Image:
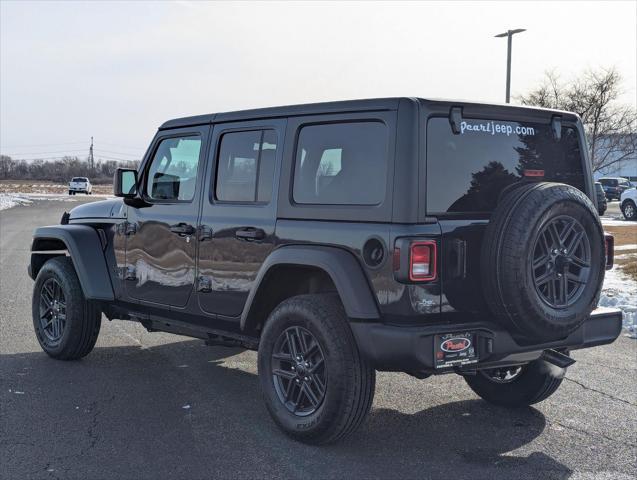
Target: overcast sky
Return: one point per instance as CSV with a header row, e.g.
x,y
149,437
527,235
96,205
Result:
x,y
116,70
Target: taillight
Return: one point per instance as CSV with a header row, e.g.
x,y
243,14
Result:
x,y
609,247
422,261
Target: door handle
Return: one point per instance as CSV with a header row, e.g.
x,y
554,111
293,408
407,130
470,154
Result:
x,y
182,229
250,233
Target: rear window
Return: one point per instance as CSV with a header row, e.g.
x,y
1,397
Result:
x,y
609,182
245,166
467,172
341,164
79,179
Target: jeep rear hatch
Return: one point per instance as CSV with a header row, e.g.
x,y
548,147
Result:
x,y
470,163
467,171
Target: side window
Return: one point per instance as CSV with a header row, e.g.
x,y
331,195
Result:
x,y
245,166
341,164
173,172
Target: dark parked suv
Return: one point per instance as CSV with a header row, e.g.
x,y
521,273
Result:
x,y
614,187
602,203
338,239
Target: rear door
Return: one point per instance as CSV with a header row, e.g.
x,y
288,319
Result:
x,y
238,213
467,174
161,244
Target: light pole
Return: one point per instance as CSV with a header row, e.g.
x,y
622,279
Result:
x,y
509,34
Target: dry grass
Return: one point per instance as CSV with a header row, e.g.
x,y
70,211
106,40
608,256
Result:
x,y
625,236
38,186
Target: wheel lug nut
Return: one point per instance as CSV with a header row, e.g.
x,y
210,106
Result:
x,y
306,378
307,364
297,380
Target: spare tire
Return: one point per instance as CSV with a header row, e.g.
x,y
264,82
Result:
x,y
542,261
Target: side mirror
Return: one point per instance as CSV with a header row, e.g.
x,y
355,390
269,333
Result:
x,y
125,183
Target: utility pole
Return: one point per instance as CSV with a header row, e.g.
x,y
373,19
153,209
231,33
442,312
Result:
x,y
509,34
91,160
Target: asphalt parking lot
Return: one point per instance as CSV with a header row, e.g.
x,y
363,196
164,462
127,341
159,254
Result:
x,y
152,405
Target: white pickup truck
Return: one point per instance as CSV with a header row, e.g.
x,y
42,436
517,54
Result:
x,y
80,185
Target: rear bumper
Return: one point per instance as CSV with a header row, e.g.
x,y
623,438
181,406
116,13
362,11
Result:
x,y
411,349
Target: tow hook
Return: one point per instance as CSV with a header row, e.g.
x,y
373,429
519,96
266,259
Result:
x,y
557,358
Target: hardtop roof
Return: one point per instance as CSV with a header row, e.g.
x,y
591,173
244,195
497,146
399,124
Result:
x,y
344,106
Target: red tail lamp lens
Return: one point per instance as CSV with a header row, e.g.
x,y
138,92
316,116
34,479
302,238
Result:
x,y
422,261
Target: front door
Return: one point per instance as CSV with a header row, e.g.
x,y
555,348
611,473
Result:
x,y
239,215
161,241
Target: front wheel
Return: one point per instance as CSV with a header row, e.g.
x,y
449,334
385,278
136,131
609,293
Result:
x,y
517,386
66,324
317,386
629,210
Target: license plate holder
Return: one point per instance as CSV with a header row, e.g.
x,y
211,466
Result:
x,y
455,349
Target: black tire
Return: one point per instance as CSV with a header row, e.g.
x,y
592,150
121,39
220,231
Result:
x,y
349,378
510,246
75,336
536,382
629,210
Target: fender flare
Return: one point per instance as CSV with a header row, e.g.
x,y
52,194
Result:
x,y
85,249
342,267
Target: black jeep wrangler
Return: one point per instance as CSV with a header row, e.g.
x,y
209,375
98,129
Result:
x,y
337,239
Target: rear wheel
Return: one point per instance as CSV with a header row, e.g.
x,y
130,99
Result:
x,y
317,386
517,386
66,324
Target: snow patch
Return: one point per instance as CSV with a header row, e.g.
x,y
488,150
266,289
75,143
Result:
x,y
8,201
619,248
620,291
611,222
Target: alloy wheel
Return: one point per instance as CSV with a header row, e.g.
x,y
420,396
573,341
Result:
x,y
52,310
561,262
298,371
502,375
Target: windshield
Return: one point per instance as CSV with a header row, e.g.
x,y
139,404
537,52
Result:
x,y
467,172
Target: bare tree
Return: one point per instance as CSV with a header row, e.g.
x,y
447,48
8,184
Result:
x,y
61,170
611,127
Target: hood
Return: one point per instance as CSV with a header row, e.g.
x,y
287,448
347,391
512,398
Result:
x,y
112,208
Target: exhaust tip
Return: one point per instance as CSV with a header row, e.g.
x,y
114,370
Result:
x,y
557,358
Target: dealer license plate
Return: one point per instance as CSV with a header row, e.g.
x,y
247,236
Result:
x,y
453,349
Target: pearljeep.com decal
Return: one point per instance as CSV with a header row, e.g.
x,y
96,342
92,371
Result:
x,y
493,128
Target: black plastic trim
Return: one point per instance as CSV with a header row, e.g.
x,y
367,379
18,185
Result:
x,y
342,267
84,247
408,349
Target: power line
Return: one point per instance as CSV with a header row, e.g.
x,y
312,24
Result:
x,y
120,146
117,153
99,157
43,153
44,145
97,150
116,158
